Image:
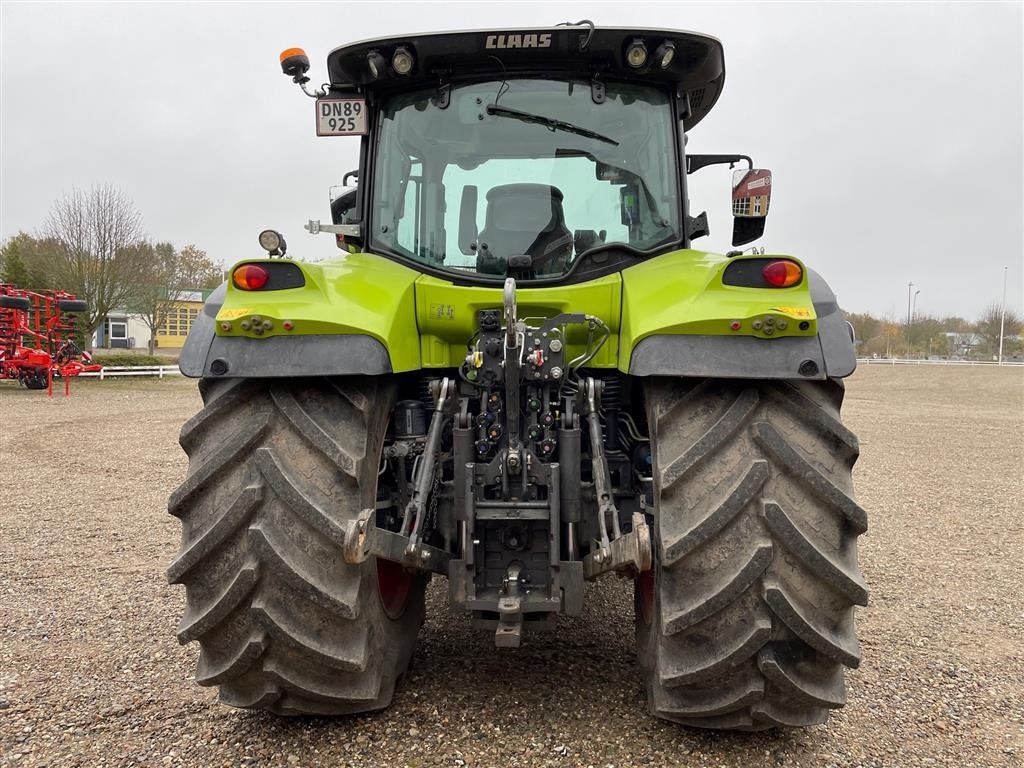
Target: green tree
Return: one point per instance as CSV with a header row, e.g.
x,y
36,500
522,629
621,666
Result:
x,y
886,343
955,324
12,266
927,336
29,262
865,326
198,272
163,276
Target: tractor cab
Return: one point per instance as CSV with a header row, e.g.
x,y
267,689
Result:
x,y
548,155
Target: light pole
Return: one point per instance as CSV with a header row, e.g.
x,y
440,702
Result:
x,y
910,326
1002,317
909,289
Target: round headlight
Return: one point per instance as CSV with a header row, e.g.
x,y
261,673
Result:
x,y
636,54
270,240
401,60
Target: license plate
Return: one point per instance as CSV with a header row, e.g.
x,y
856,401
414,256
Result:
x,y
340,117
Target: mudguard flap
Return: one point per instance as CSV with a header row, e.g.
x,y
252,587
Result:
x,y
207,355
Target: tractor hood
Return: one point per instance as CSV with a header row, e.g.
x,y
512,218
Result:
x,y
691,62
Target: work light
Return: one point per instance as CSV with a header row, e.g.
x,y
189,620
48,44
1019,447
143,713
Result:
x,y
272,242
402,61
665,53
376,63
636,54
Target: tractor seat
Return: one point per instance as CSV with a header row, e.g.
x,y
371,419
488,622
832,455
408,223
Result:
x,y
524,220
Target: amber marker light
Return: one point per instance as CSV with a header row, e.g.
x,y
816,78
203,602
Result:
x,y
782,273
294,62
250,277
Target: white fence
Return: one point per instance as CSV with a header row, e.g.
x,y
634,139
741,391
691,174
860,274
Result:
x,y
172,370
897,361
136,370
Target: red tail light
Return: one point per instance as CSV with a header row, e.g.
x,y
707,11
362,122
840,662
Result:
x,y
250,277
782,273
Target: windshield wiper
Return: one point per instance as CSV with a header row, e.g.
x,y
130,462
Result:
x,y
632,250
550,122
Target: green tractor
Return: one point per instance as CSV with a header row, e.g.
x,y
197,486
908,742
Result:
x,y
519,375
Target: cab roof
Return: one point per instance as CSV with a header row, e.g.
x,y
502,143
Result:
x,y
697,69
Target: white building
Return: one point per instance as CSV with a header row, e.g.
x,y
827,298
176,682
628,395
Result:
x,y
121,330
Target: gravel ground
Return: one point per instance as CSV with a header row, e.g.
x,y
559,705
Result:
x,y
90,673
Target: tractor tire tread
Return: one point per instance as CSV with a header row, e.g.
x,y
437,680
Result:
x,y
284,624
756,572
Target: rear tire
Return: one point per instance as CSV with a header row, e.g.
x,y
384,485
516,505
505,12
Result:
x,y
15,302
747,620
36,381
283,623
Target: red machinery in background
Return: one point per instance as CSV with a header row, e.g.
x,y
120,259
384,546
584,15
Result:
x,y
37,330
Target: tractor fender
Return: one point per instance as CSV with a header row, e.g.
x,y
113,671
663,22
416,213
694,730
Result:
x,y
207,355
830,354
834,332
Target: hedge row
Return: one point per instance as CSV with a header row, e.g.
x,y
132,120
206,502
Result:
x,y
115,359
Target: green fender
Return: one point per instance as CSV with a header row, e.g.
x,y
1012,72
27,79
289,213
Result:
x,y
669,315
355,315
680,319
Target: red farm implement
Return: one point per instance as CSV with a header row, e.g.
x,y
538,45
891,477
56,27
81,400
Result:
x,y
37,336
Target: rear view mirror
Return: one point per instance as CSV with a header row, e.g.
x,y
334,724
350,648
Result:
x,y
343,204
746,230
751,195
345,210
467,221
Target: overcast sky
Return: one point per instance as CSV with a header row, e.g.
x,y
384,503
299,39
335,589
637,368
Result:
x,y
894,132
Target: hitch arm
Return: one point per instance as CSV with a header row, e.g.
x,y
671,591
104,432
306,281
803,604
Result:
x,y
602,483
631,551
363,539
412,522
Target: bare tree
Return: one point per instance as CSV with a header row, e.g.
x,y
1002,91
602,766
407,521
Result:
x,y
988,326
97,231
163,277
